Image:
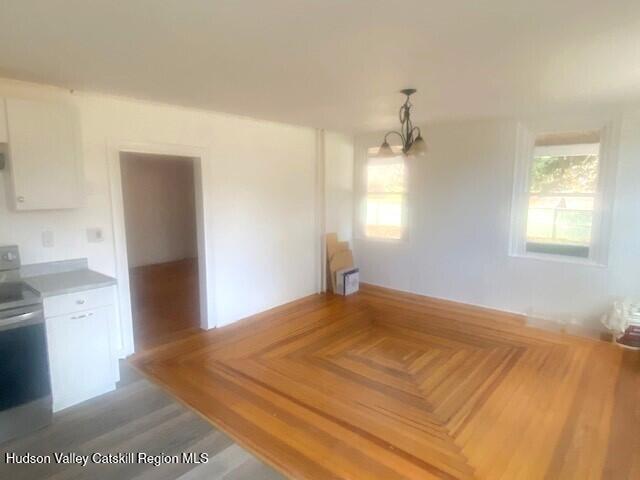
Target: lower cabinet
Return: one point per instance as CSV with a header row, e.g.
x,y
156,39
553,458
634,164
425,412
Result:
x,y
81,354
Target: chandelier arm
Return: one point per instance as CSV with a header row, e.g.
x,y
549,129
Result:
x,y
396,133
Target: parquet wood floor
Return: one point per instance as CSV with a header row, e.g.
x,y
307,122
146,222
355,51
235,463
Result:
x,y
389,385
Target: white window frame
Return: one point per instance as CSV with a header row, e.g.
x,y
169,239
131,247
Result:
x,y
362,223
604,198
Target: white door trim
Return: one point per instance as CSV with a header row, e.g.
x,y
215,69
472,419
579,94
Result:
x,y
201,159
321,212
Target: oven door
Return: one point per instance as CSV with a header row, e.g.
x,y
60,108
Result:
x,y
25,389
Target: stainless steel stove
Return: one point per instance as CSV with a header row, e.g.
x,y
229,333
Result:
x,y
25,387
15,294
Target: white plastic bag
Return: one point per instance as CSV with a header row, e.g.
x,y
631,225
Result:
x,y
623,314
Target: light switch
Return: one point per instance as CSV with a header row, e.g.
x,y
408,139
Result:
x,y
47,239
95,235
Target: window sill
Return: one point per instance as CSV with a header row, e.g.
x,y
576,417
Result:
x,y
559,259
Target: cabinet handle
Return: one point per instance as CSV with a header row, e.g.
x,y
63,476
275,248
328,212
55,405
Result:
x,y
20,199
78,317
80,302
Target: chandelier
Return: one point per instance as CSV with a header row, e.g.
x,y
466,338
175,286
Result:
x,y
412,142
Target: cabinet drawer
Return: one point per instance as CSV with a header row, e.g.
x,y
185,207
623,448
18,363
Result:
x,y
78,301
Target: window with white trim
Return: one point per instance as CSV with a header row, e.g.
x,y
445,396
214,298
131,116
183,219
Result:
x,y
385,197
559,197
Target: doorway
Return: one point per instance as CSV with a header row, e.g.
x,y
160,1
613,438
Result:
x,y
159,206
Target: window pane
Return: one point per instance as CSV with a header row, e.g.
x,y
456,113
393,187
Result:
x,y
562,220
574,227
386,185
384,216
564,174
540,224
385,177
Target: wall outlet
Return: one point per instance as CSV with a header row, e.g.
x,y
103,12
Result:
x,y
95,235
47,239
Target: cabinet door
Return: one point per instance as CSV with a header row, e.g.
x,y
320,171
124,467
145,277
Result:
x,y
80,356
3,124
43,155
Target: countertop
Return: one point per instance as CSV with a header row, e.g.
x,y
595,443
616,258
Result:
x,y
71,281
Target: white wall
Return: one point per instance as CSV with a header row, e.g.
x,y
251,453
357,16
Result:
x,y
159,207
338,172
259,198
459,220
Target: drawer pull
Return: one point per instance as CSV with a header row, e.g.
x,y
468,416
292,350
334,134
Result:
x,y
80,302
84,315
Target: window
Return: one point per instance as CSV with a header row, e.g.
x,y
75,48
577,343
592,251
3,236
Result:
x,y
561,199
563,184
385,197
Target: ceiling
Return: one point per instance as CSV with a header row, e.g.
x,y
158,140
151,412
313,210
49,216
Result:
x,y
334,64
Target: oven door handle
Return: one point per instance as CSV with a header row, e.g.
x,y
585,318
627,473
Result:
x,y
10,322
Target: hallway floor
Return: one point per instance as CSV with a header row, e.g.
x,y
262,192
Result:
x,y
164,302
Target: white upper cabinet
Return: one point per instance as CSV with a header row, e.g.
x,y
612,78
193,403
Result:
x,y
44,168
3,126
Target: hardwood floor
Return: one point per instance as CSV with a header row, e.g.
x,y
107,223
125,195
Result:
x,y
164,302
136,417
390,385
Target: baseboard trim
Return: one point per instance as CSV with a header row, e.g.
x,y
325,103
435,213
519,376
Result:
x,y
569,329
453,309
451,306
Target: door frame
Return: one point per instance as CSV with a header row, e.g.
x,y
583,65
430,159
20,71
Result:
x,y
200,158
